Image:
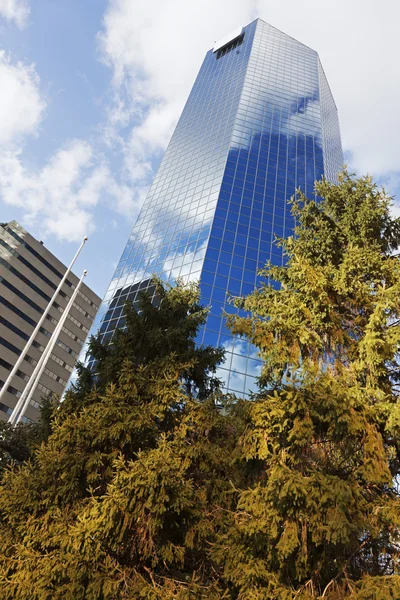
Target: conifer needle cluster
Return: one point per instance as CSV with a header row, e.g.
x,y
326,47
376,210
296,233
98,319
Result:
x,y
154,485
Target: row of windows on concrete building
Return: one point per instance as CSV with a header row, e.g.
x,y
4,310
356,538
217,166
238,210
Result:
x,y
29,275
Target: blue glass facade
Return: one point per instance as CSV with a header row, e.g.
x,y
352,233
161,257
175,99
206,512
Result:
x,y
260,122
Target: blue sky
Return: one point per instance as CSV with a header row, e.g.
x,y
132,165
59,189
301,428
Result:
x,y
90,91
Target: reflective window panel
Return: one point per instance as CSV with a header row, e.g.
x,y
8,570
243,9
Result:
x,y
259,122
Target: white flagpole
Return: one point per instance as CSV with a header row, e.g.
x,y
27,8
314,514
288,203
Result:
x,y
37,373
38,326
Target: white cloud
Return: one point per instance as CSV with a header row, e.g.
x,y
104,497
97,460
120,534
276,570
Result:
x,y
357,44
241,367
162,45
21,105
186,265
155,50
59,198
15,10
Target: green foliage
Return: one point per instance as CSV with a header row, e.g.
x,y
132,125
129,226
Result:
x,y
18,444
146,490
153,330
118,502
322,510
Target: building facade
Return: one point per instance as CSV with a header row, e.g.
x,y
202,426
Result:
x,y
260,122
29,275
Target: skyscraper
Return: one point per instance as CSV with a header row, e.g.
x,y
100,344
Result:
x,y
29,276
260,122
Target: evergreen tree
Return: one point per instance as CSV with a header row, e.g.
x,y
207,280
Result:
x,y
18,444
155,328
120,500
321,516
144,492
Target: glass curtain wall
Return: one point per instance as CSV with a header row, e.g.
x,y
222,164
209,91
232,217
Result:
x,y
260,122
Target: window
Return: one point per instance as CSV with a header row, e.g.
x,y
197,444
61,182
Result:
x,y
231,46
67,348
25,280
47,264
5,408
18,293
14,329
18,312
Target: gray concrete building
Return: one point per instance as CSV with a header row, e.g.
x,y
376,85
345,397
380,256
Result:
x,y
29,275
